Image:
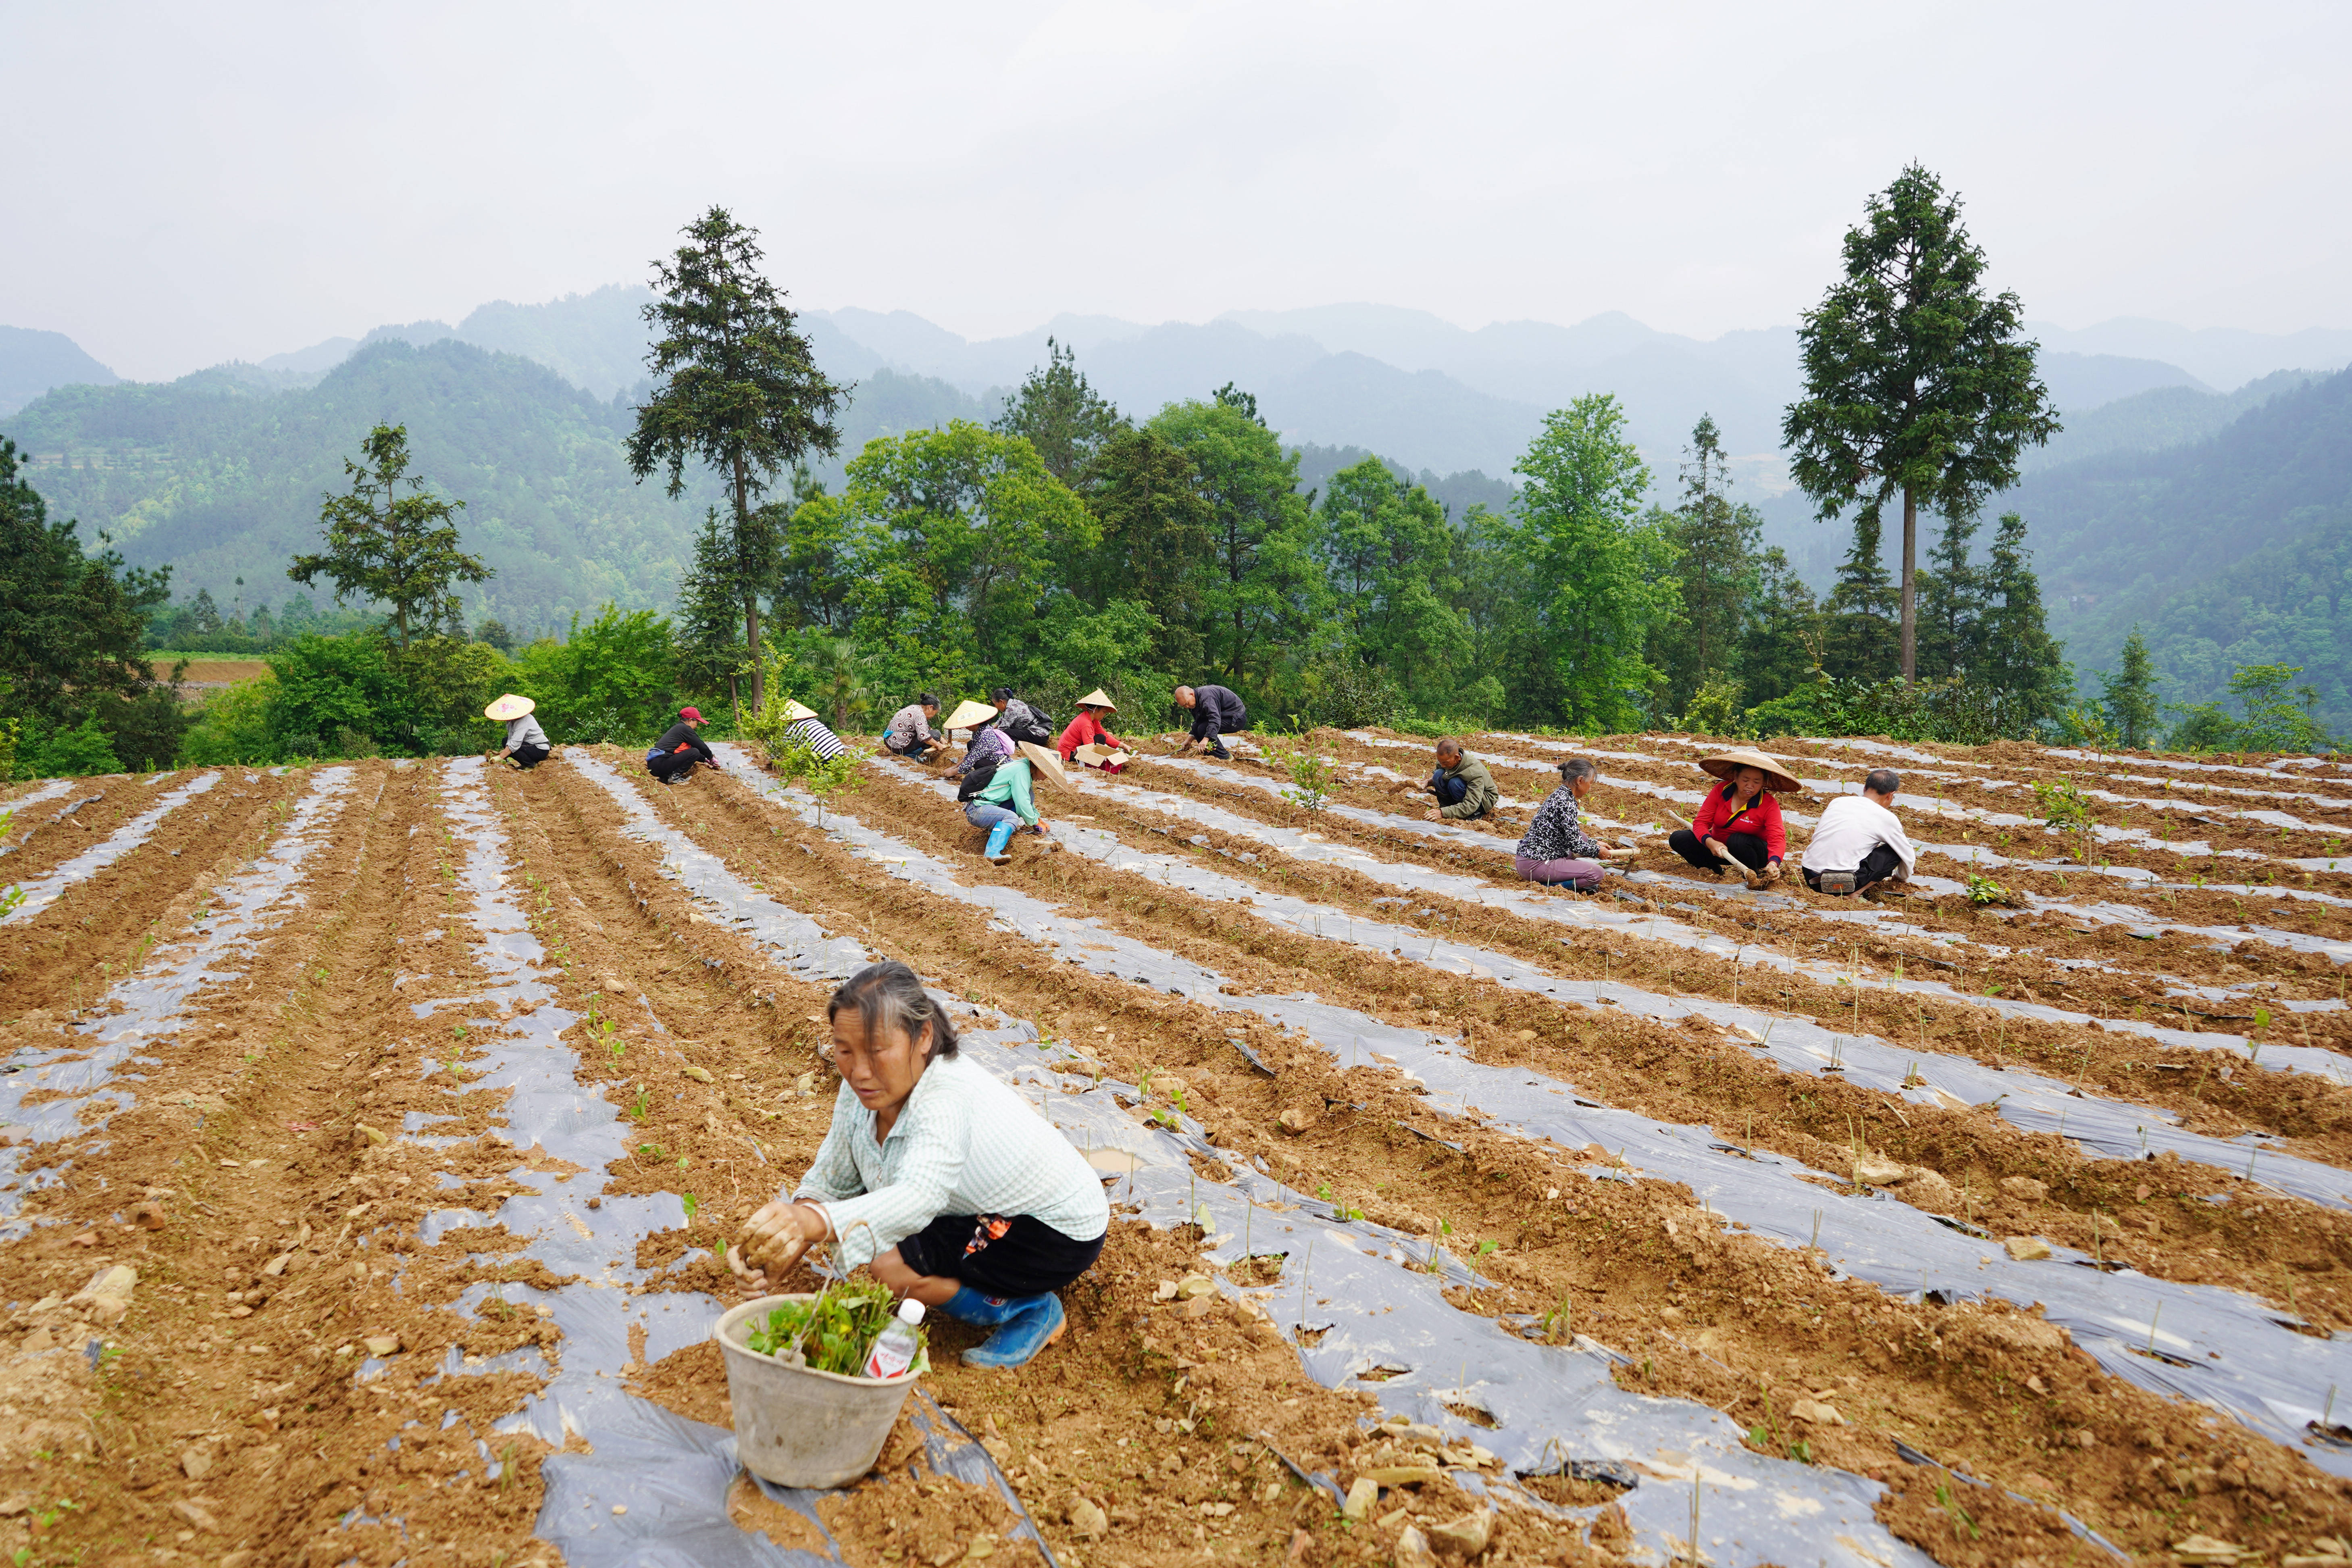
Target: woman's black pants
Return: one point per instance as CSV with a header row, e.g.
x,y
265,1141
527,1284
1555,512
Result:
x,y
1747,849
529,756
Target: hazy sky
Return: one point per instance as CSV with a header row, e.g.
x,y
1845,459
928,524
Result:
x,y
188,184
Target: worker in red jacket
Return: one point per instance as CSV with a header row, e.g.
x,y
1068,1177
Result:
x,y
1738,825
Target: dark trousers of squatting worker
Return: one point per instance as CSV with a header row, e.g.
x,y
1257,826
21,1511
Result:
x,y
1749,848
1876,867
1448,789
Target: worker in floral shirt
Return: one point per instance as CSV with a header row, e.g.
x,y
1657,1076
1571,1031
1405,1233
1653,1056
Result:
x,y
1557,851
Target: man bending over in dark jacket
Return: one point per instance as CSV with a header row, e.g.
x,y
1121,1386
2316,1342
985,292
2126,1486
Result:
x,y
1216,713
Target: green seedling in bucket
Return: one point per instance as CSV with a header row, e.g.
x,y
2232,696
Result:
x,y
832,1332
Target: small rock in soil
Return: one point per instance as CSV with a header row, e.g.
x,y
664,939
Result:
x,y
1464,1537
1412,1549
2026,1248
2026,1189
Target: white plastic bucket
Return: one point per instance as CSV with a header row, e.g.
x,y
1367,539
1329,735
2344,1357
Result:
x,y
798,1427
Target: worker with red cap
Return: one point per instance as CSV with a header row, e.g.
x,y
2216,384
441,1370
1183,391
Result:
x,y
674,756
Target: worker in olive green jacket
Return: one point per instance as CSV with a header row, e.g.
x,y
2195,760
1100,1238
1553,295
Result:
x,y
1462,784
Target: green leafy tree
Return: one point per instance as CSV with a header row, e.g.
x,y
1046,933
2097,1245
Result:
x,y
1722,572
383,545
2279,715
80,751
1860,638
1387,556
1157,544
2018,656
1597,571
1261,589
1057,412
1917,383
612,679
2127,694
492,631
813,589
739,389
203,616
73,625
953,551
333,697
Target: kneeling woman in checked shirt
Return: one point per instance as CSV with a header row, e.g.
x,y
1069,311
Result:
x,y
953,1187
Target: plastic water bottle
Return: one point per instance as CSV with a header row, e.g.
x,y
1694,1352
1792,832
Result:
x,y
895,1347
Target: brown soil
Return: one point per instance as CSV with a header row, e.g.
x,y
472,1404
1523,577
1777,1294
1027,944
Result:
x,y
250,1140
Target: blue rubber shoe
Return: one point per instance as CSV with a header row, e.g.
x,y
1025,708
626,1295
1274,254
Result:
x,y
1030,1324
998,837
969,1306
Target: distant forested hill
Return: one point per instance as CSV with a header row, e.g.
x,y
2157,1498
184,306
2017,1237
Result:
x,y
221,479
2233,550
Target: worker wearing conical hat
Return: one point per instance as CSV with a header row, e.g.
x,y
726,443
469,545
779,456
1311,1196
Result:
x,y
526,745
1738,827
1004,804
806,729
1087,732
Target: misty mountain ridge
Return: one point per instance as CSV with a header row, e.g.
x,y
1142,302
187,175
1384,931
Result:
x,y
1429,395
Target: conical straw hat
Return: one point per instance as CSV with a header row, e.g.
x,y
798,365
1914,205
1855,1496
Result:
x,y
1097,698
795,712
970,715
509,707
1045,763
1776,773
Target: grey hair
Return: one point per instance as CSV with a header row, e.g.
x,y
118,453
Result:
x,y
1882,781
890,1000
1576,768
1449,746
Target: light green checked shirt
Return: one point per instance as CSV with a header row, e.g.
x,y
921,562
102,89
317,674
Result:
x,y
965,1144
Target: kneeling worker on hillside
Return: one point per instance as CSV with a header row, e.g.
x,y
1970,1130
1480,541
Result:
x,y
1086,741
673,757
935,1172
909,733
1463,787
526,745
1859,845
1216,713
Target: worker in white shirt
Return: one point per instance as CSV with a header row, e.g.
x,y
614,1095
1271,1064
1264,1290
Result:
x,y
1859,845
954,1189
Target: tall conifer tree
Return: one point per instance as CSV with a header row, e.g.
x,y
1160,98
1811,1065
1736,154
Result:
x,y
1918,385
736,387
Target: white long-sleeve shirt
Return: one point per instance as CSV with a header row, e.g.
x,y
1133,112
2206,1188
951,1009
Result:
x,y
525,732
964,1144
1851,825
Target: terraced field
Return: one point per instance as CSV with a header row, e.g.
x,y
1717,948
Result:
x,y
371,1132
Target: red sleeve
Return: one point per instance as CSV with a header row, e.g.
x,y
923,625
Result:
x,y
1776,834
1712,813
1074,735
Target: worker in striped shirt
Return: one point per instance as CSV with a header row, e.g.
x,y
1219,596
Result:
x,y
953,1187
810,730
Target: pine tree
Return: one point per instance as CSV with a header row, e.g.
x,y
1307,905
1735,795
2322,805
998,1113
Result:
x,y
1065,419
1918,383
203,615
1860,642
739,388
709,630
2020,658
1720,567
2127,696
400,549
1951,602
